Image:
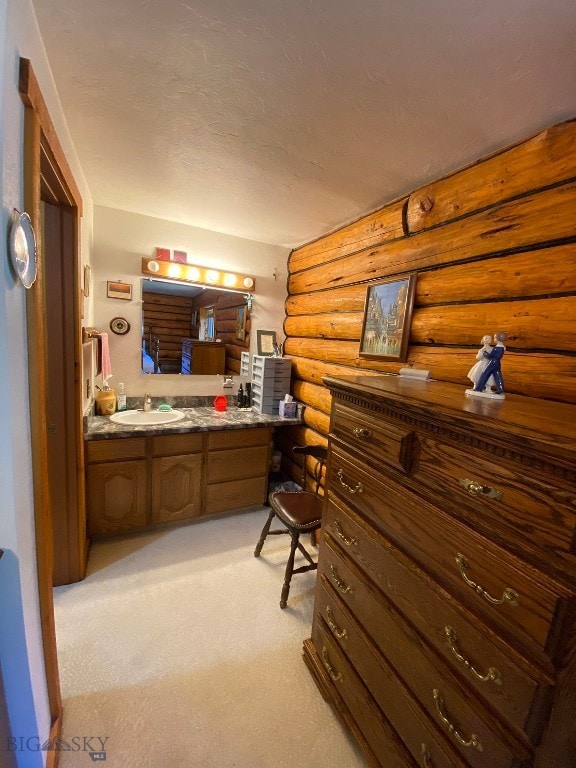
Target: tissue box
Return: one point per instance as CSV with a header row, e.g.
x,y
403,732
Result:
x,y
287,410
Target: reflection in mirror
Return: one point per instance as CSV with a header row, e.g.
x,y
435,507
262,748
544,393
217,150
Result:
x,y
189,329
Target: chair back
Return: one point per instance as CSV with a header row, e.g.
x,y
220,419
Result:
x,y
320,453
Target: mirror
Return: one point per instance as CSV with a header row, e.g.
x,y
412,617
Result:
x,y
188,329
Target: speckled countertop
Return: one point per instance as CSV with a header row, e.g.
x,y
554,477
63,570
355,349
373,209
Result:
x,y
198,419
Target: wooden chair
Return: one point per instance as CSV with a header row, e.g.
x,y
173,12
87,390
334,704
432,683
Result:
x,y
300,512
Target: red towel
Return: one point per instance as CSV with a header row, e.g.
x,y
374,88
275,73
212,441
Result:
x,y
106,365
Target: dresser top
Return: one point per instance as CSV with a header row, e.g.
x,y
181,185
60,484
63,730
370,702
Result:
x,y
548,423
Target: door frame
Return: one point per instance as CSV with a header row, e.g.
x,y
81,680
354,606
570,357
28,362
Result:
x,y
42,150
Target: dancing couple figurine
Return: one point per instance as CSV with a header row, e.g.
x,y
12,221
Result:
x,y
486,373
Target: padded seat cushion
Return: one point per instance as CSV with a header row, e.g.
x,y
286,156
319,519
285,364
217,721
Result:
x,y
298,509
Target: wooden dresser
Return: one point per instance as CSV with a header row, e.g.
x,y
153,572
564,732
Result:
x,y
444,623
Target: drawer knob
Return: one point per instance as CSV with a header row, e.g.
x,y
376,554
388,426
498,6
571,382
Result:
x,y
342,536
346,589
338,632
361,432
334,675
473,741
477,489
492,676
426,757
509,596
358,488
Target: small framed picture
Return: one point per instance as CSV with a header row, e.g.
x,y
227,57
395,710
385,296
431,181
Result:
x,y
119,290
241,322
266,341
387,318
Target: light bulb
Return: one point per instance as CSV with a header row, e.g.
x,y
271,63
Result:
x,y
229,279
212,275
174,270
193,273
153,266
248,282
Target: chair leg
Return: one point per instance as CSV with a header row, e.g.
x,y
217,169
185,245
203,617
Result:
x,y
294,535
263,535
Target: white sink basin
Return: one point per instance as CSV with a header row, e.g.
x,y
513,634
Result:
x,y
143,418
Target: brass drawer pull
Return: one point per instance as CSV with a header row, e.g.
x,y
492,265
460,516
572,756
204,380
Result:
x,y
335,676
492,676
473,741
362,432
346,589
341,634
477,489
341,535
426,757
358,488
509,596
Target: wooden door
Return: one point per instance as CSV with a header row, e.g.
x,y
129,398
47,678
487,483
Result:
x,y
176,487
116,496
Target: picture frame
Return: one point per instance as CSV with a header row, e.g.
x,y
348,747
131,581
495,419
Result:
x,y
241,322
116,289
265,343
387,318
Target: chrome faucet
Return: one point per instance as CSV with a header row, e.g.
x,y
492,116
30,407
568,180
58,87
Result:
x,y
147,402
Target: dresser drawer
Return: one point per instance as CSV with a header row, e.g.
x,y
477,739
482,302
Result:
x,y
375,729
418,733
504,590
377,440
510,500
521,690
482,738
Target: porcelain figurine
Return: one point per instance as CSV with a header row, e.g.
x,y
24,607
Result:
x,y
490,375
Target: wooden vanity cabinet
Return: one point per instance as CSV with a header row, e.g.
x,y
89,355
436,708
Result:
x,y
447,575
139,483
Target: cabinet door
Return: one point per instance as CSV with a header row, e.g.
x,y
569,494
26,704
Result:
x,y
116,497
176,488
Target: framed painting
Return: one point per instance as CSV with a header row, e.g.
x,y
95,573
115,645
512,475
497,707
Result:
x,y
119,290
387,318
241,322
266,341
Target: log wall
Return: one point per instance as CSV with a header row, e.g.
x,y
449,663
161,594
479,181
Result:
x,y
494,248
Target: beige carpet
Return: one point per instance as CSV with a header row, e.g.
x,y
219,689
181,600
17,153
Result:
x,y
174,647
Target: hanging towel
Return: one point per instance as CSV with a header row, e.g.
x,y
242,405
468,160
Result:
x,y
105,364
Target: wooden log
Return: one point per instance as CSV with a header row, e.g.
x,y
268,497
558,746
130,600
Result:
x,y
530,221
378,227
316,420
536,374
351,298
548,158
232,365
184,302
332,326
311,394
542,272
313,371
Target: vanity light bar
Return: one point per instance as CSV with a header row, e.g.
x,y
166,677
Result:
x,y
189,273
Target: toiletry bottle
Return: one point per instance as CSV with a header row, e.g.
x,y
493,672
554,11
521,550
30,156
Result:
x,y
248,395
121,398
240,402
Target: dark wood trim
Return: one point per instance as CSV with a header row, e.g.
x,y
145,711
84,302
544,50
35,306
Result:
x,y
40,140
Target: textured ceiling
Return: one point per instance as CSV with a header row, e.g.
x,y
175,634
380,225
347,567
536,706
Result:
x,y
278,120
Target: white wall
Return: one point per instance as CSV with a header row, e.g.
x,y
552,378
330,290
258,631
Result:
x,y
21,654
121,239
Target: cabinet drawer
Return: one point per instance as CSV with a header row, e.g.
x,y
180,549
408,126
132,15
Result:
x,y
379,441
121,448
487,739
511,500
238,438
174,445
522,689
237,494
375,729
525,600
406,716
237,464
